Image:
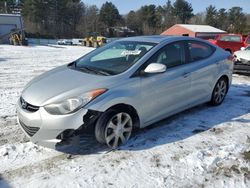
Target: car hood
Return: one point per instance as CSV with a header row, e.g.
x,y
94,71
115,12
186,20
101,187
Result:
x,y
244,54
61,83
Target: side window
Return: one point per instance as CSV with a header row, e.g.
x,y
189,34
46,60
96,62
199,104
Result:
x,y
171,55
199,50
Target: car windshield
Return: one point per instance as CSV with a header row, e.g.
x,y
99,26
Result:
x,y
113,58
231,38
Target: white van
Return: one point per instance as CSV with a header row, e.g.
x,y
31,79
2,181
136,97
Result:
x,y
77,41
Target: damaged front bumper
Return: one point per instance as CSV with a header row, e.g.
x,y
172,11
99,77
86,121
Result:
x,y
49,130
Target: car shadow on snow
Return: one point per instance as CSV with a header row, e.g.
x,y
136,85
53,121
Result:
x,y
4,59
4,183
180,126
83,144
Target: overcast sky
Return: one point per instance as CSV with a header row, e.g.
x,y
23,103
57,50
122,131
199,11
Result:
x,y
124,6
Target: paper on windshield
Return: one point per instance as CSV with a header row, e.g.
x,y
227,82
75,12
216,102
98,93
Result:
x,y
131,52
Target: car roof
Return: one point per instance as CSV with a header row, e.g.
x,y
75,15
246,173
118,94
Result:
x,y
156,38
230,34
152,38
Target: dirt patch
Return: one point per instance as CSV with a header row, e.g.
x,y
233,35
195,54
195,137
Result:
x,y
120,158
228,171
156,160
175,158
235,169
216,130
246,155
246,172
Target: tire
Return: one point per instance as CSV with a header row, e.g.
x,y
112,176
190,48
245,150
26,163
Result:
x,y
219,92
228,50
114,128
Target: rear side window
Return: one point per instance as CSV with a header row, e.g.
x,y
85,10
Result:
x,y
199,50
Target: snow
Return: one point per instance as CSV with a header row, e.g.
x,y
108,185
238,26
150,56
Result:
x,y
201,147
202,28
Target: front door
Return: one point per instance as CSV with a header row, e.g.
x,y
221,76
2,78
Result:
x,y
162,94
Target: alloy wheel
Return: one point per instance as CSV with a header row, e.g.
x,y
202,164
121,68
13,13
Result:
x,y
220,91
118,129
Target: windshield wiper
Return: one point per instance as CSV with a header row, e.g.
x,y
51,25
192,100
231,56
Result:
x,y
94,70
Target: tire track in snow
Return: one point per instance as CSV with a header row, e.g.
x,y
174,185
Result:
x,y
54,163
10,131
41,166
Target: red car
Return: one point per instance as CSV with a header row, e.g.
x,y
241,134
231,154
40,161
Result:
x,y
231,42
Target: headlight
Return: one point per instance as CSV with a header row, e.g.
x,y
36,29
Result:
x,y
73,104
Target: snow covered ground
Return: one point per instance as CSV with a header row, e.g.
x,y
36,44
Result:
x,y
202,147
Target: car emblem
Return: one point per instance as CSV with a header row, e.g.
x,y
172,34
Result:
x,y
24,104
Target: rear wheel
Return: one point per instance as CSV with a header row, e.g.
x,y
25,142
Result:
x,y
219,92
228,50
114,128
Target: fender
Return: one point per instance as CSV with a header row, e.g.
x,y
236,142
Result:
x,y
120,96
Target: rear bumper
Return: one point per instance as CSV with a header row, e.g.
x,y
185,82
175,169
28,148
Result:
x,y
43,128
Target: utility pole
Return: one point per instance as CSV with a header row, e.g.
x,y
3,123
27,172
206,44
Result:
x,y
56,20
5,5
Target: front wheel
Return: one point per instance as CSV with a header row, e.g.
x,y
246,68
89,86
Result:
x,y
219,92
114,128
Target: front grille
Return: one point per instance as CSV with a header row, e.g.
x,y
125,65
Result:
x,y
27,106
245,61
29,130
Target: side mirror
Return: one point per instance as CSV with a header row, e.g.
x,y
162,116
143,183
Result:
x,y
155,68
242,48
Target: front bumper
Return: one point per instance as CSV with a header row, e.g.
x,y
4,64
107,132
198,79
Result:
x,y
43,128
240,67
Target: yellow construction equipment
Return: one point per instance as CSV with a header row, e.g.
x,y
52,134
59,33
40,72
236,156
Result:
x,y
17,38
93,41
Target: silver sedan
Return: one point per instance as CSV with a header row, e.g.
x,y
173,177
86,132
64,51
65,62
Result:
x,y
129,83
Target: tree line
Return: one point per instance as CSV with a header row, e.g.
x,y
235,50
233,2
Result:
x,y
74,18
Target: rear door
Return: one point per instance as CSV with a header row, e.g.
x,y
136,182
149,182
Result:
x,y
163,94
204,70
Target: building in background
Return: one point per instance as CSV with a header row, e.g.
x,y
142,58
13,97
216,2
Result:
x,y
8,23
199,31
